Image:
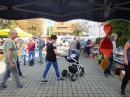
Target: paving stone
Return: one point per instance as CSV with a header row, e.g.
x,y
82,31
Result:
x,y
92,84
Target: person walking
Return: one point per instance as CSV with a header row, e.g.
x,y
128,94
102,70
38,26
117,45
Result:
x,y
51,59
73,42
88,47
18,63
126,55
23,55
10,58
41,45
112,56
31,51
83,46
78,45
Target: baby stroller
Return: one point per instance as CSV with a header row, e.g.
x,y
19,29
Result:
x,y
75,67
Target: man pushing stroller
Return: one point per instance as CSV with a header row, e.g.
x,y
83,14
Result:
x,y
72,57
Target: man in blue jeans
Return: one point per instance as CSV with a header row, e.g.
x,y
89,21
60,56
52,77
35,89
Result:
x,y
41,45
112,56
107,70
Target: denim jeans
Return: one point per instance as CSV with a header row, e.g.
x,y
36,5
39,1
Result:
x,y
7,72
87,50
107,70
23,57
18,66
55,65
31,54
40,55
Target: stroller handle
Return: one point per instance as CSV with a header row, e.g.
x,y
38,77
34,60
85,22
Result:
x,y
64,55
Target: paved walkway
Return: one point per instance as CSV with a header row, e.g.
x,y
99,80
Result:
x,y
92,84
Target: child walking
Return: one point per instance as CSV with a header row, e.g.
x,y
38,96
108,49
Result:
x,y
23,54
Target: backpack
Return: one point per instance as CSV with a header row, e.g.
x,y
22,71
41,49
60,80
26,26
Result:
x,y
31,62
42,43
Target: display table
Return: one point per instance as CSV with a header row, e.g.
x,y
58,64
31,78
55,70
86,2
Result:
x,y
119,57
120,53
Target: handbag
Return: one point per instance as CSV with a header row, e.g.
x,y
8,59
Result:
x,y
99,57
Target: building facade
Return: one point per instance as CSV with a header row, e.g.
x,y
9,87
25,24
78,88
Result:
x,y
63,28
97,29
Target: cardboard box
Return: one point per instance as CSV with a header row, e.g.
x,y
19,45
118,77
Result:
x,y
118,68
122,73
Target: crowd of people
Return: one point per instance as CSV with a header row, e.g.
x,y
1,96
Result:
x,y
85,47
12,47
13,61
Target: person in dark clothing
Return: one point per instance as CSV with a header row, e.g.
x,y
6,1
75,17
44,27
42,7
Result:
x,y
126,54
18,64
107,71
78,44
88,47
51,59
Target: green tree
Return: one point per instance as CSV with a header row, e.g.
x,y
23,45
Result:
x,y
121,27
79,27
6,24
98,40
32,26
49,30
1,23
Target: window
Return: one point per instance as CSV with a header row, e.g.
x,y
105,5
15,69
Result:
x,y
62,28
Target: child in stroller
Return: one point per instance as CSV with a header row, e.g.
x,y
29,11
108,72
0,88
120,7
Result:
x,y
75,67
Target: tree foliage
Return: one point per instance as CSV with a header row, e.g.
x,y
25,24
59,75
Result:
x,y
98,40
32,26
122,28
49,30
122,40
79,27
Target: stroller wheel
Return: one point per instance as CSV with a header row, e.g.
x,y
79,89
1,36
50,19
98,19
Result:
x,y
82,72
64,73
73,77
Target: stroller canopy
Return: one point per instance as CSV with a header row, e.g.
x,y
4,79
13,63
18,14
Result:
x,y
64,10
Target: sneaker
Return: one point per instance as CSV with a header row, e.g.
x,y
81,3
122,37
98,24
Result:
x,y
2,87
23,75
61,79
45,81
40,62
111,74
9,79
122,92
106,75
21,86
